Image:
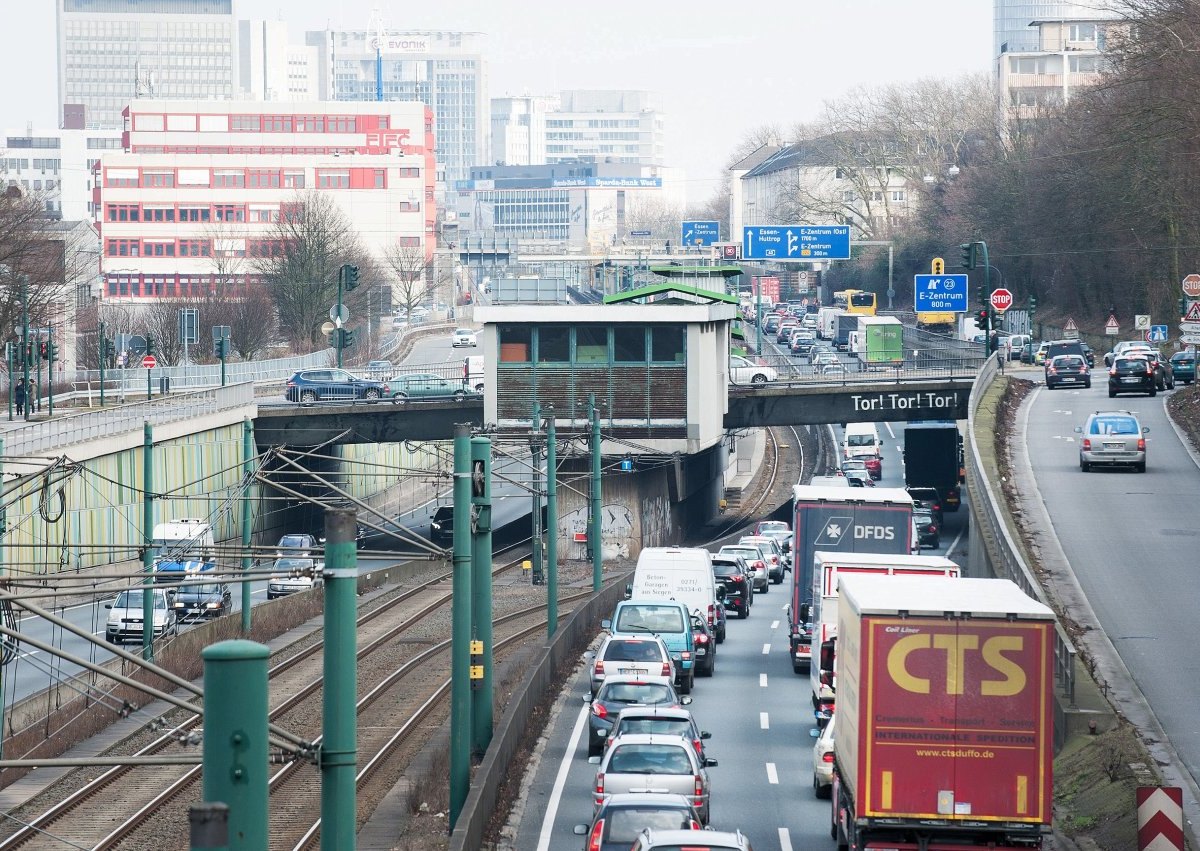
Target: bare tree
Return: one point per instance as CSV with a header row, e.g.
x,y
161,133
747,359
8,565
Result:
x,y
31,252
408,266
655,215
252,323
161,321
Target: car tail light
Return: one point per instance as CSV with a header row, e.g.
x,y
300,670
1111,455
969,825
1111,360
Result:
x,y
685,655
597,833
599,710
291,384
1113,371
697,744
599,784
1083,370
933,527
1141,444
694,825
1051,371
827,756
666,669
701,638
712,613
1087,445
599,668
699,789
758,565
1149,369
937,506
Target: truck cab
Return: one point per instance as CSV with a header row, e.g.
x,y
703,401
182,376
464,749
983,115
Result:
x,y
183,548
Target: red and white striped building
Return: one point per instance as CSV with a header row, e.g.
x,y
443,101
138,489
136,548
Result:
x,y
201,185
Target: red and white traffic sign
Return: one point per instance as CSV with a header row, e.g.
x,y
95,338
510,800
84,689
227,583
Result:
x,y
1193,312
1001,299
149,362
1191,286
1160,818
1070,326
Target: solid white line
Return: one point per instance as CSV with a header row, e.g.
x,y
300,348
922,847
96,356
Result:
x,y
772,774
766,649
764,721
762,680
954,543
560,781
774,624
888,426
785,840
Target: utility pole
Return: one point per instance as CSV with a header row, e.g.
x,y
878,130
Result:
x,y
25,341
50,358
535,490
987,290
102,344
481,592
460,647
147,540
551,525
248,475
339,719
594,531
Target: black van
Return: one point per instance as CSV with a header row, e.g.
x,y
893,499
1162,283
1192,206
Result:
x,y
441,525
1054,348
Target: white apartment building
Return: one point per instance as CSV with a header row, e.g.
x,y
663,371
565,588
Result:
x,y
1012,30
519,129
57,165
447,71
196,195
270,67
607,127
112,51
1068,55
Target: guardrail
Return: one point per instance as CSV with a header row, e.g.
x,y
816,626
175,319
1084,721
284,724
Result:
x,y
924,366
1008,556
53,434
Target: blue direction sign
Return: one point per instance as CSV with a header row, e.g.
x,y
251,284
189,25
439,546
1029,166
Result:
x,y
700,233
941,292
796,242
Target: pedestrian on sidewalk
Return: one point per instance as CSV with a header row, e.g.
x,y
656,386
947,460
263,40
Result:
x,y
19,396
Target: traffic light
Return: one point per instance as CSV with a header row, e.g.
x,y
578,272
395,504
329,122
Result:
x,y
44,350
1033,304
347,338
968,255
223,348
349,276
53,352
938,266
334,338
149,345
981,319
106,348
30,354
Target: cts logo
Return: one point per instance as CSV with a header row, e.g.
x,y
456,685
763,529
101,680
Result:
x,y
1011,679
835,529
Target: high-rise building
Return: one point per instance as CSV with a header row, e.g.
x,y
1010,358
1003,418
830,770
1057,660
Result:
x,y
606,126
57,165
1070,55
1012,32
112,51
446,71
270,67
519,129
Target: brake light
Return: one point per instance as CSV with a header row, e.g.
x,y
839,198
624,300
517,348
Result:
x,y
597,833
758,565
827,756
937,506
694,825
701,638
599,784
1087,444
932,527
599,710
1051,370
599,668
666,669
1141,444
697,744
712,613
699,789
1149,369
685,655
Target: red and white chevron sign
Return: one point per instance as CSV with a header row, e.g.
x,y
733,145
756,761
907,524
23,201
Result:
x,y
1160,818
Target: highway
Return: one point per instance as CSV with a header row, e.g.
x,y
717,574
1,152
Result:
x,y
757,709
1128,537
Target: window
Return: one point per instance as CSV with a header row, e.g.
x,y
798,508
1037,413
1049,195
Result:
x,y
194,214
310,124
409,241
515,343
1084,64
227,179
252,123
195,248
666,344
380,178
264,179
410,172
277,123
158,214
229,213
293,179
159,249
553,344
112,181
410,206
1027,64
123,213
629,344
124,248
591,344
1082,32
264,214
897,194
158,179
333,179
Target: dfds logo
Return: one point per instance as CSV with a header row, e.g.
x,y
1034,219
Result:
x,y
874,533
1010,680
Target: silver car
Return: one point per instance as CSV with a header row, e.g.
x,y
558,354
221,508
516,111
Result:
x,y
653,763
293,575
756,560
1115,438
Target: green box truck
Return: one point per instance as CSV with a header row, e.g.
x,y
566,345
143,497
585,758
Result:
x,y
881,341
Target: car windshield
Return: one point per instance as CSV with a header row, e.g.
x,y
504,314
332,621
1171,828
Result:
x,y
1066,362
1132,365
293,563
772,526
725,569
860,440
1114,425
635,693
650,618
649,759
744,552
294,541
133,600
625,824
201,590
1183,357
669,726
632,651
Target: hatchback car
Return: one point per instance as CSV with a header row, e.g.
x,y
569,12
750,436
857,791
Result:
x,y
928,532
668,763
1126,346
621,818
927,498
704,638
1183,367
619,692
755,560
1039,354
660,720
463,338
332,385
743,371
1132,375
1164,376
1114,438
1067,369
125,616
426,386
733,574
292,575
199,602
823,760
296,544
769,546
630,656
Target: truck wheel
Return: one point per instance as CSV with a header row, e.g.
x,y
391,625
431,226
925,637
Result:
x,y
822,791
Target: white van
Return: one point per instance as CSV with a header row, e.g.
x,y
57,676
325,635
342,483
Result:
x,y
678,573
861,441
473,372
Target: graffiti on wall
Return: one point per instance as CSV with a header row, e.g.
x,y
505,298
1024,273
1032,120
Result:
x,y
656,521
616,531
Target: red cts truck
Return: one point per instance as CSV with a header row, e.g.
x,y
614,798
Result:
x,y
944,715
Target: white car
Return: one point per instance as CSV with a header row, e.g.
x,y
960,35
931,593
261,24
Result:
x,y
823,761
463,337
292,575
743,371
125,616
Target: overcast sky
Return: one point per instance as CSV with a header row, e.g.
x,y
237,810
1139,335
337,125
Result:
x,y
722,67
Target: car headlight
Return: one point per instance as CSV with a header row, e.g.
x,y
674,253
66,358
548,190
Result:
x,y
212,605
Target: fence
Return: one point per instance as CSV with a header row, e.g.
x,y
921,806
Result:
x,y
1006,557
52,435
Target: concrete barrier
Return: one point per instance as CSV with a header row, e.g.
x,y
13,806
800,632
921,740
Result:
x,y
541,680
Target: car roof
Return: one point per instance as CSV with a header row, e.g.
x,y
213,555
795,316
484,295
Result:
x,y
631,799
691,839
657,711
654,739
637,679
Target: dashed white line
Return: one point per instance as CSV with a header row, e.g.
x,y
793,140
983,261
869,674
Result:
x,y
785,840
772,774
762,680
774,624
766,649
764,721
560,781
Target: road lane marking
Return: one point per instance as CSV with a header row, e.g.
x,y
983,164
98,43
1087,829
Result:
x,y
766,649
785,840
891,433
560,781
762,680
764,721
774,624
954,543
772,774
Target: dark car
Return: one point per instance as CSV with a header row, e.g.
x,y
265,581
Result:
x,y
928,532
197,602
1067,369
927,498
1183,367
802,344
1054,348
1163,374
1132,375
426,386
1088,354
705,641
732,573
619,692
441,525
332,385
1027,353
622,818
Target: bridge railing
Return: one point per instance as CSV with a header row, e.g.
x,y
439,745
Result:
x,y
914,367
1009,563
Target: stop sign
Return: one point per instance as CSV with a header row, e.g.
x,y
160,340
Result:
x,y
1001,299
1191,286
149,362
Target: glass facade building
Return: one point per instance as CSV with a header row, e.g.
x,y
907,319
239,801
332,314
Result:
x,y
1011,30
111,51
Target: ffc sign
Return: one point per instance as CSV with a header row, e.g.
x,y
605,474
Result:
x,y
1011,678
387,138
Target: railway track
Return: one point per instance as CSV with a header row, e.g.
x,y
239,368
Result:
x,y
111,808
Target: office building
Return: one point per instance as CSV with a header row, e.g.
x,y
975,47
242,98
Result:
x,y
270,67
113,51
519,129
445,70
198,192
56,164
606,127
